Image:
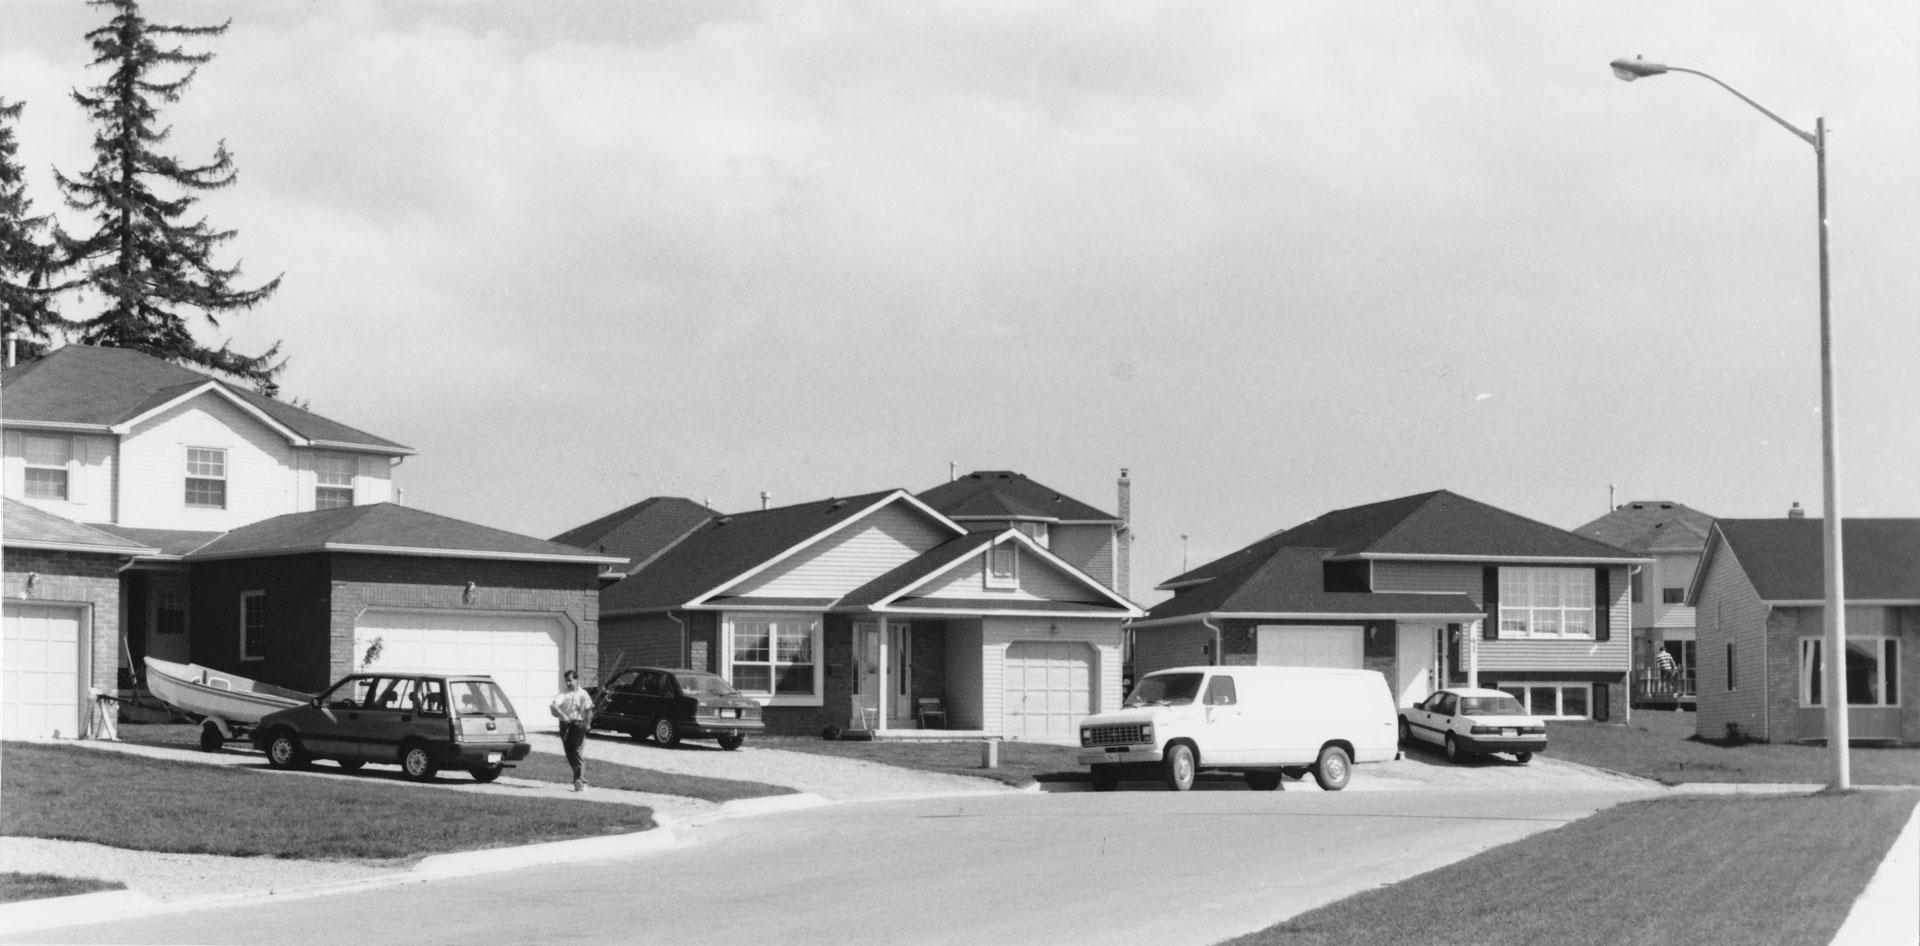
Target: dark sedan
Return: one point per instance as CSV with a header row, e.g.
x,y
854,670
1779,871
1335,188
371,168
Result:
x,y
671,705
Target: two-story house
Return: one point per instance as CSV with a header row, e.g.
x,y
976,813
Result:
x,y
861,612
1429,590
254,537
1673,537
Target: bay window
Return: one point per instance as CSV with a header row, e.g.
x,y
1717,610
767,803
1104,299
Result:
x,y
775,657
1547,602
1872,669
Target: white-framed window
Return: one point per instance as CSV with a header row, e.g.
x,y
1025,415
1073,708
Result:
x,y
1554,700
332,481
1039,532
775,657
49,458
1673,596
1546,602
207,477
1873,671
1002,568
253,625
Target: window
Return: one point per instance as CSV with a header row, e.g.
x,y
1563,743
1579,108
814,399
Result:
x,y
168,598
774,657
1873,675
47,459
332,481
1673,596
1037,531
253,625
1731,679
206,477
1562,700
1220,692
1003,565
1546,602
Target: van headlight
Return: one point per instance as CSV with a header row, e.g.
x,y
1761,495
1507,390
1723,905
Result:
x,y
1086,736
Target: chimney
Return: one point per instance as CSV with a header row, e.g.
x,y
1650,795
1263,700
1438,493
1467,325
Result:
x,y
953,470
1123,539
1796,512
764,497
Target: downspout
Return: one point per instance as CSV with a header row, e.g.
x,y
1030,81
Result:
x,y
686,646
1633,570
1217,661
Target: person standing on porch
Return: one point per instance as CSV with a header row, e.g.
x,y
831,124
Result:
x,y
1664,660
574,709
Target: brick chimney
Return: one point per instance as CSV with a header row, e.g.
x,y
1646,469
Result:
x,y
1796,512
1123,539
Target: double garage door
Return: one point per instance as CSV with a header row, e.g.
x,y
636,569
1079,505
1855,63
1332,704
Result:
x,y
1049,689
524,653
40,682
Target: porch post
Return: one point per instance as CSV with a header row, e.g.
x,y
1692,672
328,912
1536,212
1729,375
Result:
x,y
1473,653
880,686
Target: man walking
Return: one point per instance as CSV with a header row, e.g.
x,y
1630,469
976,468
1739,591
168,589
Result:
x,y
574,708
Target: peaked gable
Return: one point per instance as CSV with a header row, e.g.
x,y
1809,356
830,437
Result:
x,y
952,576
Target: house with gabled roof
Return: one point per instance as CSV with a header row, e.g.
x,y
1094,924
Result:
x,y
1430,590
857,612
1093,540
265,542
1760,597
1673,536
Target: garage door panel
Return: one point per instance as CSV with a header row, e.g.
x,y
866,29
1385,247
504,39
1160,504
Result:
x,y
40,682
1047,688
522,653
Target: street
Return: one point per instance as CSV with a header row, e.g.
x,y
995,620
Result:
x,y
1133,866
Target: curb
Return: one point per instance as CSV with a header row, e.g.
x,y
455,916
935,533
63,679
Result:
x,y
24,916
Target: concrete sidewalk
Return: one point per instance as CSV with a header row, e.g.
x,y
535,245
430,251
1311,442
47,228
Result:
x,y
1888,911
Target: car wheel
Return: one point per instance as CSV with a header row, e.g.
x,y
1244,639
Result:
x,y
284,752
418,763
1406,733
665,732
1524,757
352,764
731,741
210,738
1104,778
1179,767
1453,749
486,773
1263,780
1334,769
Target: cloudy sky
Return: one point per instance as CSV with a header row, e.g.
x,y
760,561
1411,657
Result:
x,y
1274,258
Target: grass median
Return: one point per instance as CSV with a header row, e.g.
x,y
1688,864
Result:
x,y
1662,746
1695,869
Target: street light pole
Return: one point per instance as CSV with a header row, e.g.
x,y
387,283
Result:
x,y
1834,660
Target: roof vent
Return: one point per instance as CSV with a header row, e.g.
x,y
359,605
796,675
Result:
x,y
723,520
1796,512
836,504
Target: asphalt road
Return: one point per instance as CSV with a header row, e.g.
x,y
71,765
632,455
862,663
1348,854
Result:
x,y
1133,866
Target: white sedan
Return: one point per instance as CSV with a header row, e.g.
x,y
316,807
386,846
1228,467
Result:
x,y
1464,720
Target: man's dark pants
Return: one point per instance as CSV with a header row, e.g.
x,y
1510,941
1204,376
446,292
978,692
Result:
x,y
572,737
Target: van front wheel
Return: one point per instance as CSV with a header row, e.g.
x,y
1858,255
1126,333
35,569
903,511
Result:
x,y
1334,769
1179,767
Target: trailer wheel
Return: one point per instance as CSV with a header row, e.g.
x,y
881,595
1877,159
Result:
x,y
211,739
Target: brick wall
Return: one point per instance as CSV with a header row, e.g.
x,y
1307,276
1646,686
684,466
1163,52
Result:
x,y
75,578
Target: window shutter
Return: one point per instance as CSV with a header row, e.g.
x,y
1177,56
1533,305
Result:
x,y
1603,606
1490,600
1601,711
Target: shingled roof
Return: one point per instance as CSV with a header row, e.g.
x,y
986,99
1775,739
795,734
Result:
x,y
641,531
387,529
85,386
1004,494
1786,560
1650,525
28,527
1290,583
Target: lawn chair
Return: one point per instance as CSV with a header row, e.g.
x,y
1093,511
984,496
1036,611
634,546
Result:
x,y
930,711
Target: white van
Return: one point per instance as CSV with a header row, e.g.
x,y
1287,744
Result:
x,y
1264,721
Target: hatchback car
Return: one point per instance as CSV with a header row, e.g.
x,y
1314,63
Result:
x,y
1465,721
671,705
419,722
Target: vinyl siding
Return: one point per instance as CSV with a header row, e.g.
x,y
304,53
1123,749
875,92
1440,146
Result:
x,y
861,551
1088,548
89,477
260,475
1448,577
997,633
1509,656
1038,582
1730,610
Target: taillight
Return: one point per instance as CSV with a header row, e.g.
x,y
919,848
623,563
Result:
x,y
453,726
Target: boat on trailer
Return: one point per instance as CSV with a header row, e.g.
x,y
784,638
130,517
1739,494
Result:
x,y
227,705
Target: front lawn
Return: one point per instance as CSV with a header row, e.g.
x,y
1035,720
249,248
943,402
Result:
x,y
16,886
1021,763
1695,869
1659,745
540,766
75,793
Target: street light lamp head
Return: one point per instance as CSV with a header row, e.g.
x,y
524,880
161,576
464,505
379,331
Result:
x,y
1627,70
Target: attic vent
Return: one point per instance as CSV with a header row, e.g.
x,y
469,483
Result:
x,y
723,520
836,504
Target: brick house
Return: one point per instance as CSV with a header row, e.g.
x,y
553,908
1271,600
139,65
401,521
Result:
x,y
1430,590
1760,600
265,541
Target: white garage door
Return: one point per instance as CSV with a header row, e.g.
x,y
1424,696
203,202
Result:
x,y
1306,646
522,652
1049,689
40,683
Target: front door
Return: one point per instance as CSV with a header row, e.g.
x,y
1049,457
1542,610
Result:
x,y
898,656
1422,650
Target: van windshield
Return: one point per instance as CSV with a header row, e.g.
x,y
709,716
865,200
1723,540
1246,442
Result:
x,y
1165,689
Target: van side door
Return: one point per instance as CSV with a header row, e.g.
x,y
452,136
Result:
x,y
1231,734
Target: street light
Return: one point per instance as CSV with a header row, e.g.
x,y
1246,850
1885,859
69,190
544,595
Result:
x,y
1835,604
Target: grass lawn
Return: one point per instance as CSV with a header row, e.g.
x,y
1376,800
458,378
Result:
x,y
1021,763
16,886
1659,745
1695,869
80,794
540,766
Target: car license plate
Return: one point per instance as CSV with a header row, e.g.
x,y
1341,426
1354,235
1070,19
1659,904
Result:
x,y
1509,732
495,758
730,713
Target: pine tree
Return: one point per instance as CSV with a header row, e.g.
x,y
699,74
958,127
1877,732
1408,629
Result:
x,y
143,258
27,265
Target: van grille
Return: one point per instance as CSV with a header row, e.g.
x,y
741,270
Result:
x,y
1125,734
